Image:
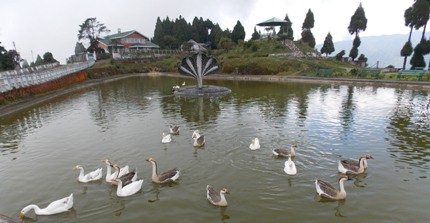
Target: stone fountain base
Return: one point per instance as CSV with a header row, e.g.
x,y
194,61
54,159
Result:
x,y
206,90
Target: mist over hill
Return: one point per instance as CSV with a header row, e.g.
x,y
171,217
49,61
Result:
x,y
385,49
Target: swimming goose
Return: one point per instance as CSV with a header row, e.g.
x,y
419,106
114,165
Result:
x,y
326,190
349,167
215,198
166,138
130,189
126,178
199,140
111,176
55,207
285,152
290,167
255,144
174,130
357,163
91,176
168,176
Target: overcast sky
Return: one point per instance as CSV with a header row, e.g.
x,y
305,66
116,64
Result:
x,y
43,25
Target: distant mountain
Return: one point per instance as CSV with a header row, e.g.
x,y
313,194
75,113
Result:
x,y
385,49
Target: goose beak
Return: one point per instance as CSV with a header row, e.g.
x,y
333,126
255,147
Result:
x,y
21,215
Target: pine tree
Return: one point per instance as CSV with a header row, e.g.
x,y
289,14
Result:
x,y
328,46
39,60
238,32
158,33
287,29
358,23
255,34
340,55
308,24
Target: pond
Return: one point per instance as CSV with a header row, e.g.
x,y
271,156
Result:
x,y
124,120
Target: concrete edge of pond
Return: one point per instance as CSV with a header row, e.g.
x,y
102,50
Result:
x,y
9,109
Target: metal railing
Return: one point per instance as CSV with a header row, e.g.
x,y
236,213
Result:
x,y
34,76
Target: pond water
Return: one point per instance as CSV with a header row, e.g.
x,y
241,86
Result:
x,y
123,121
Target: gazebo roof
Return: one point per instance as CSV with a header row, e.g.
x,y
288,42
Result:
x,y
273,22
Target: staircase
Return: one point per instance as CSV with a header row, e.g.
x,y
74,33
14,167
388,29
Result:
x,y
294,49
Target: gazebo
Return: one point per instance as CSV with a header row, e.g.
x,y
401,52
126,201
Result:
x,y
270,24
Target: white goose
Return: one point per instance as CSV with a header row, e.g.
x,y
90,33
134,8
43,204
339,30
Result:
x,y
326,190
166,177
290,167
55,207
91,176
215,198
166,138
111,176
129,189
183,84
199,140
255,144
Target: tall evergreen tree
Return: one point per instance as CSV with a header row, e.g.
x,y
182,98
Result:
x,y
255,34
407,49
328,46
158,33
309,20
39,60
357,24
238,32
307,25
287,29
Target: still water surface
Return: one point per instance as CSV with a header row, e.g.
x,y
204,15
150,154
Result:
x,y
123,121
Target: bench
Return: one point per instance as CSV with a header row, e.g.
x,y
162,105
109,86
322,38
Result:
x,y
418,72
324,72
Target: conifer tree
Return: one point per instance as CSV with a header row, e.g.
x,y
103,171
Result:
x,y
357,24
238,32
328,46
255,34
307,25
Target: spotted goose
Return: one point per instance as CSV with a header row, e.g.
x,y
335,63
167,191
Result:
x,y
199,140
126,178
326,190
285,152
168,176
215,198
174,130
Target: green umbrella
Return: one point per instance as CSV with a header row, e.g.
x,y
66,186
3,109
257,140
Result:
x,y
273,22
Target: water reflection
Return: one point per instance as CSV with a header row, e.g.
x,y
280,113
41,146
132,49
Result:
x,y
410,131
347,110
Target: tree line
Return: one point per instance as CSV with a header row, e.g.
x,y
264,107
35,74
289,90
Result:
x,y
11,59
171,34
416,16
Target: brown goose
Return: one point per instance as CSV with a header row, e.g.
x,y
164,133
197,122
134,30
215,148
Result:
x,y
285,152
168,176
357,163
174,130
348,167
215,198
326,190
126,178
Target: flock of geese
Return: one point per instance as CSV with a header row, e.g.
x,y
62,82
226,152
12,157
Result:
x,y
128,183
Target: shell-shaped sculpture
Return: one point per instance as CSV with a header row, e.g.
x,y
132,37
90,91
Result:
x,y
197,66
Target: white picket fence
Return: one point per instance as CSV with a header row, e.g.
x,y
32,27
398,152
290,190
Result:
x,y
38,75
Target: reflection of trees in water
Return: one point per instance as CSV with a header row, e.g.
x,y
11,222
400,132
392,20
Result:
x,y
120,98
14,128
410,129
272,98
348,108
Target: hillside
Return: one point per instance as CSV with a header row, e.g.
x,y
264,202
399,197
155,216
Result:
x,y
385,49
